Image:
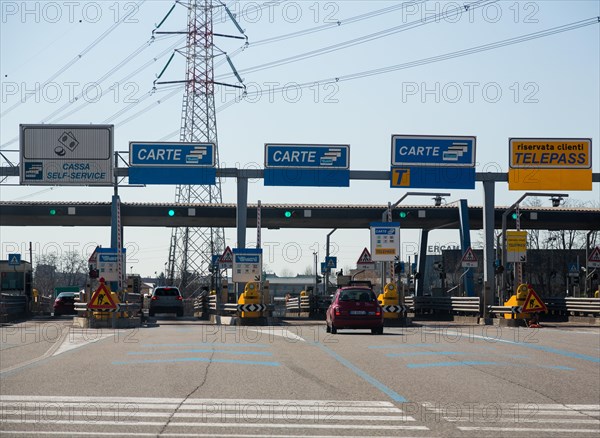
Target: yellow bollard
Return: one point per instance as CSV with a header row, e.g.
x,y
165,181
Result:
x,y
251,295
389,297
517,300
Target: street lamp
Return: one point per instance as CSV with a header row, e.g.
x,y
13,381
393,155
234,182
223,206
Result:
x,y
437,197
556,198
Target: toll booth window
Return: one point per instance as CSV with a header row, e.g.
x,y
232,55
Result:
x,y
12,281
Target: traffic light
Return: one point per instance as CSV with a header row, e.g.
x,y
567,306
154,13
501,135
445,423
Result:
x,y
52,212
288,214
171,212
399,267
514,215
56,211
403,214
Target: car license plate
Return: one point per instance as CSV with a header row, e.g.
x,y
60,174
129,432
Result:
x,y
358,312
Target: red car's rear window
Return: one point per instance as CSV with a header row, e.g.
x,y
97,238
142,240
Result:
x,y
356,295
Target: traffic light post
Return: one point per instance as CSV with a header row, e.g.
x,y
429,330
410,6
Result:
x,y
556,200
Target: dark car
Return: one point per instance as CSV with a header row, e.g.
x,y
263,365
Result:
x,y
165,299
64,304
355,307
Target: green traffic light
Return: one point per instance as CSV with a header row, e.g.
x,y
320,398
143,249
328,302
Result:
x,y
514,216
171,213
403,214
52,212
288,214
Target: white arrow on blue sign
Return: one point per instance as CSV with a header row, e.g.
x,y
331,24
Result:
x,y
306,156
14,259
421,150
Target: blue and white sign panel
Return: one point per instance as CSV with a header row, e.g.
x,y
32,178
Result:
x,y
14,259
385,241
171,154
172,163
411,150
67,155
107,263
305,156
247,265
303,165
331,262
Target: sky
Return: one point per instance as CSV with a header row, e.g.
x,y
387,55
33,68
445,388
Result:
x,y
88,62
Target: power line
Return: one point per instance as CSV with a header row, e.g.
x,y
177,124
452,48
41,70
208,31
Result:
x,y
73,61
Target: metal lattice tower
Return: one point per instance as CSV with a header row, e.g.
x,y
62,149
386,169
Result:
x,y
190,253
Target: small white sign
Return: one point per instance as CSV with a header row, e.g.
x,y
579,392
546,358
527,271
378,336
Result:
x,y
247,265
385,241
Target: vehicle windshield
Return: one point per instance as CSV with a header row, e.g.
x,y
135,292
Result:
x,y
357,295
168,292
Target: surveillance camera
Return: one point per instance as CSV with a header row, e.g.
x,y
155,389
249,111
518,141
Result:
x,y
556,201
438,201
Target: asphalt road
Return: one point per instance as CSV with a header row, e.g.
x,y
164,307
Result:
x,y
182,377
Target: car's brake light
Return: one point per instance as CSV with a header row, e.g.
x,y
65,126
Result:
x,y
154,298
179,297
378,311
337,311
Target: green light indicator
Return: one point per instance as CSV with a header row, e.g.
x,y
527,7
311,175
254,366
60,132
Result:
x,y
514,216
288,214
171,213
52,212
403,214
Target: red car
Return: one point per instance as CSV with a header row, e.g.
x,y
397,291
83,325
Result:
x,y
65,304
355,307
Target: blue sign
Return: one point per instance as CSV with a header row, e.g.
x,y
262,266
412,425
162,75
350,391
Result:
x,y
324,268
247,255
172,154
307,177
307,156
14,259
411,150
172,175
331,262
215,260
439,177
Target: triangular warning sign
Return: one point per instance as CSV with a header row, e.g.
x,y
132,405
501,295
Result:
x,y
594,255
227,256
365,257
469,256
102,299
533,303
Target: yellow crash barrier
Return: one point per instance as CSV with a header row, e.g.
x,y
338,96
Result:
x,y
389,297
251,295
517,300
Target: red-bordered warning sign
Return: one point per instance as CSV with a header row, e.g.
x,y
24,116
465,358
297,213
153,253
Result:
x,y
102,299
469,259
533,303
594,258
365,257
227,256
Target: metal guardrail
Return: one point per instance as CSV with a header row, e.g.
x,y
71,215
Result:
x,y
452,305
298,304
12,305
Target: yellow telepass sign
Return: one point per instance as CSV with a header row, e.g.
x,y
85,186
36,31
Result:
x,y
550,164
557,153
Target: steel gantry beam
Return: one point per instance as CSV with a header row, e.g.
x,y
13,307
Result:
x,y
20,213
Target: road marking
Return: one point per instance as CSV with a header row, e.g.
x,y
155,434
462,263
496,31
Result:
x,y
279,331
399,346
204,344
76,339
477,363
525,429
195,359
253,418
368,378
527,345
249,353
429,353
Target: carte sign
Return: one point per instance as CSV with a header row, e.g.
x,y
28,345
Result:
x,y
171,154
410,150
550,164
385,241
307,156
247,265
64,155
434,162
